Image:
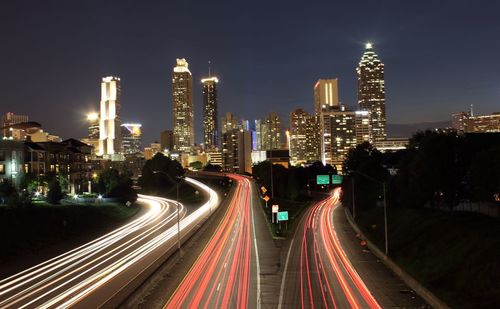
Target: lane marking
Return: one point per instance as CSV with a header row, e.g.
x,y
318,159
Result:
x,y
255,244
282,288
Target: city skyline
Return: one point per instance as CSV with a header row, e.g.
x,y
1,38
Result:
x,y
143,64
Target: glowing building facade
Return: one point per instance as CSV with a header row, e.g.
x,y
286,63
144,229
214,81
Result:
x,y
182,102
268,132
131,138
9,119
210,123
371,91
304,139
110,141
363,127
326,94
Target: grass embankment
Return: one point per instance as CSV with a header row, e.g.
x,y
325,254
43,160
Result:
x,y
294,209
455,255
41,231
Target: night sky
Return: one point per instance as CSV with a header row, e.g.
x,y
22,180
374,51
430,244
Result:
x,y
439,57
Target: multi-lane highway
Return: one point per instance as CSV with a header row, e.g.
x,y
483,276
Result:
x,y
318,272
226,274
90,275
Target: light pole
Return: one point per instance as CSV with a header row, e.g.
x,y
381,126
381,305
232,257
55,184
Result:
x,y
177,181
385,205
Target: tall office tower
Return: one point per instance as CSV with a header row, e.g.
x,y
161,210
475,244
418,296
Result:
x,y
326,94
210,123
167,140
338,135
304,138
110,142
237,151
229,122
371,91
363,127
131,138
93,126
460,120
182,101
483,123
271,132
9,119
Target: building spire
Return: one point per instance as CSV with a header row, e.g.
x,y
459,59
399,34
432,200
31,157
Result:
x,y
368,45
209,68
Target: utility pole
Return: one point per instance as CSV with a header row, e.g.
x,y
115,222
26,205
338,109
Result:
x,y
385,222
353,202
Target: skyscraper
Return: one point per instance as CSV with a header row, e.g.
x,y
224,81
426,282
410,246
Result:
x,y
10,119
210,123
131,138
229,122
182,102
326,94
109,121
93,126
338,135
237,151
167,140
371,91
269,132
304,138
363,127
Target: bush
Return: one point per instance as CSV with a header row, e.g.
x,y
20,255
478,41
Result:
x,y
55,193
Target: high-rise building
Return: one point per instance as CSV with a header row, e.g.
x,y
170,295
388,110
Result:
x,y
182,101
338,135
110,142
269,132
229,122
237,151
93,126
363,127
131,138
460,120
326,94
210,121
167,140
9,119
371,91
304,138
483,123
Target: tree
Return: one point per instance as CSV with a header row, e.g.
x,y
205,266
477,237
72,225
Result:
x,y
7,190
485,174
159,173
197,165
55,193
117,185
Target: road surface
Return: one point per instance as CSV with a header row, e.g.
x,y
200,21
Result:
x,y
226,274
326,267
90,275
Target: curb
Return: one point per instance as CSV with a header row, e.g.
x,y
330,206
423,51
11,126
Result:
x,y
428,296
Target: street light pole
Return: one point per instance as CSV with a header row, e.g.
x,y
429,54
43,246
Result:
x,y
385,207
178,222
353,202
385,223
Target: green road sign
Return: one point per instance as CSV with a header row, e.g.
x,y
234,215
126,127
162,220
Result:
x,y
283,216
337,179
322,179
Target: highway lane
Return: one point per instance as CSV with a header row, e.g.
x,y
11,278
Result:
x,y
318,272
91,274
226,274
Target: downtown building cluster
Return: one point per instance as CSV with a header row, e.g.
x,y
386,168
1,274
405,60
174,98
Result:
x,y
333,128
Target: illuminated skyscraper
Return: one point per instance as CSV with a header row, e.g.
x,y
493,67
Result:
x,y
10,119
363,127
371,91
237,151
110,142
338,135
326,94
210,123
304,138
229,122
131,138
269,132
182,102
93,126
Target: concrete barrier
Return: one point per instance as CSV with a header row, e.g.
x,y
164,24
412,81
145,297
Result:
x,y
427,295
